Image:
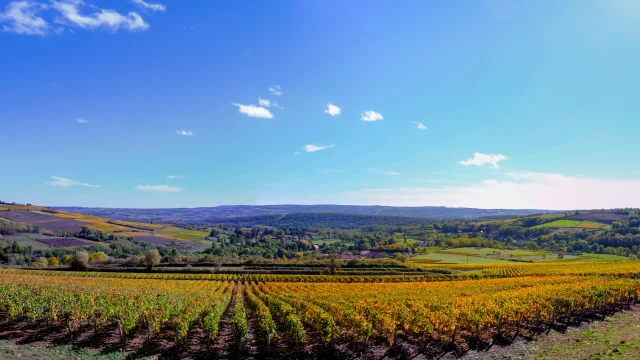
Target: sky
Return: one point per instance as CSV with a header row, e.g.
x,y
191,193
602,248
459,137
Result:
x,y
167,103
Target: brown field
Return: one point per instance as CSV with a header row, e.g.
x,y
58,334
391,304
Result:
x,y
45,221
178,244
606,217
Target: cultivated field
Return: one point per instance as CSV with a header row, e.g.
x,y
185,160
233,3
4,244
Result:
x,y
54,221
227,316
43,220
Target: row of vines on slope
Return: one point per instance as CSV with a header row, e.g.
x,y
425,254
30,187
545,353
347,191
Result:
x,y
462,312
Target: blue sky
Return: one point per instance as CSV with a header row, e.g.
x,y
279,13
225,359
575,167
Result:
x,y
491,104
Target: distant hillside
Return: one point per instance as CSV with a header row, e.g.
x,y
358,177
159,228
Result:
x,y
321,220
200,215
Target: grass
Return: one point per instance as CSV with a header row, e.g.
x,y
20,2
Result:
x,y
25,240
494,252
614,338
600,257
172,232
558,224
584,224
587,224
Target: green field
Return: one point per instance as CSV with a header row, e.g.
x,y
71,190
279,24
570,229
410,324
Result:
x,y
494,252
596,257
180,234
585,224
493,256
444,258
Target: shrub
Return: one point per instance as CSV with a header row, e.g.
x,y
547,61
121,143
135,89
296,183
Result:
x,y
53,261
80,261
152,258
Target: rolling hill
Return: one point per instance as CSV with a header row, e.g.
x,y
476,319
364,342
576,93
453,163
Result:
x,y
203,214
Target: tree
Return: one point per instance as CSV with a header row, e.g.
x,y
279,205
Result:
x,y
66,259
42,262
152,258
97,257
53,261
80,261
400,257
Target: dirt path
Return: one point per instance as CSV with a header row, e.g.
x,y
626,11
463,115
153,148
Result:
x,y
614,338
222,347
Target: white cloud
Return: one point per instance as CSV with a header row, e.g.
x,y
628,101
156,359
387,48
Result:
x,y
159,188
22,19
254,111
64,182
82,121
150,6
264,102
371,116
519,190
314,148
420,125
480,159
171,177
103,18
332,110
184,132
275,90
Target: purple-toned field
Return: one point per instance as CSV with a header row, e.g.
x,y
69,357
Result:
x,y
62,242
47,222
178,244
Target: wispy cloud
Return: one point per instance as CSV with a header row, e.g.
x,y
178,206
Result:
x,y
82,121
159,188
385,172
371,116
332,110
330,171
269,103
264,102
171,177
102,18
150,6
254,111
519,190
275,90
313,148
64,182
22,18
184,132
480,159
420,125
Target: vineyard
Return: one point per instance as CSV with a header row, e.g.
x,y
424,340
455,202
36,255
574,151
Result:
x,y
306,315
